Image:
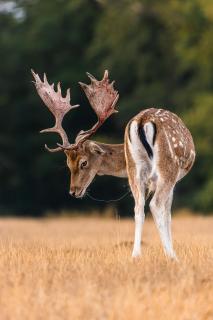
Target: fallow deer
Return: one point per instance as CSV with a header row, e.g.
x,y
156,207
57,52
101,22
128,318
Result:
x,y
158,151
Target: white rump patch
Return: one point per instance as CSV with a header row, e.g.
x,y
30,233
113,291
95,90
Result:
x,y
135,146
135,143
149,131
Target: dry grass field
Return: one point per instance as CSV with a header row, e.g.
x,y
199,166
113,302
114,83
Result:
x,y
81,268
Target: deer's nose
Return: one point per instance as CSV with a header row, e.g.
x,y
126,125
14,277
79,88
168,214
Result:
x,y
73,192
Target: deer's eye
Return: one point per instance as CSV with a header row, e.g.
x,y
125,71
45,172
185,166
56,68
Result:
x,y
83,164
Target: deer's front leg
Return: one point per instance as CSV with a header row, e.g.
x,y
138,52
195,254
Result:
x,y
160,206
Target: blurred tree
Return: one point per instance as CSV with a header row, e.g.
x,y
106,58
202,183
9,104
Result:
x,y
200,183
160,55
138,47
48,36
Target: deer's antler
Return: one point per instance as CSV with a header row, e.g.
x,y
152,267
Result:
x,y
101,95
103,98
58,106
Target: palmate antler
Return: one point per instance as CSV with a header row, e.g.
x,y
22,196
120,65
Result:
x,y
102,98
57,105
100,94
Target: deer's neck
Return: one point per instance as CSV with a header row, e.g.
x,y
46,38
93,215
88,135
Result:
x,y
113,162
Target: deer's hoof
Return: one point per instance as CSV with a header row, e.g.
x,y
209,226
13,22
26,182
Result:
x,y
136,253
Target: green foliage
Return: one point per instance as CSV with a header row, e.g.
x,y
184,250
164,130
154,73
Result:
x,y
200,123
159,54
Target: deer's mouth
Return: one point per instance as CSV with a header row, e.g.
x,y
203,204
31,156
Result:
x,y
80,194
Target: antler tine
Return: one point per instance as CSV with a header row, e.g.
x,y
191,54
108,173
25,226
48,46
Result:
x,y
106,75
92,78
57,105
103,98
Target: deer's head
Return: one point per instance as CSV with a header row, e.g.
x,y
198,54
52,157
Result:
x,y
84,157
84,164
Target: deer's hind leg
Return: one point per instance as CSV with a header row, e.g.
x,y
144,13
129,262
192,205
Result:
x,y
138,191
138,169
168,206
160,206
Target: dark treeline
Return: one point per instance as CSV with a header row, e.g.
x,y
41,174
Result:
x,y
159,52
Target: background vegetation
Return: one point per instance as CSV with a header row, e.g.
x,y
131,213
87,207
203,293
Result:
x,y
160,54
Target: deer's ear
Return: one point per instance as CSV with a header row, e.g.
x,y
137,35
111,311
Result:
x,y
96,149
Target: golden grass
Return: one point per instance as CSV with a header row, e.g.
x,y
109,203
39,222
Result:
x,y
81,268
